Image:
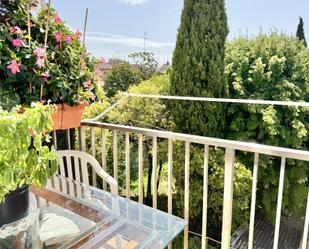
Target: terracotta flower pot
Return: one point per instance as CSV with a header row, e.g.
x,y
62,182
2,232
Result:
x,y
67,117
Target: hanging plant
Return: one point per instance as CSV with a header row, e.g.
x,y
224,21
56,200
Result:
x,y
43,59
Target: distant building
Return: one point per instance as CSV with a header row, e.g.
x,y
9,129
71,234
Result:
x,y
103,68
165,67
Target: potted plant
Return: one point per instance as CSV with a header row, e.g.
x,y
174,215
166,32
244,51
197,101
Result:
x,y
42,59
24,160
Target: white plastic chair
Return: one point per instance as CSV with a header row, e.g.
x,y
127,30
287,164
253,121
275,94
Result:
x,y
75,164
81,161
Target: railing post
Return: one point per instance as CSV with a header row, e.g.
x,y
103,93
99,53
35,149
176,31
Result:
x,y
93,152
68,135
305,234
140,169
170,180
205,197
127,161
82,139
154,172
253,200
187,193
228,198
103,144
279,203
115,155
55,139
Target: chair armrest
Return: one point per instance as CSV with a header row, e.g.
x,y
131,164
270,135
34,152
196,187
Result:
x,y
106,177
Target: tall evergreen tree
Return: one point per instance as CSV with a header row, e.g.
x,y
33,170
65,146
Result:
x,y
300,31
198,67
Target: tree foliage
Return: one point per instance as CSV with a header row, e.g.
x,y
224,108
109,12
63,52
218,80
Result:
x,y
198,67
120,78
271,67
141,111
150,113
301,32
146,63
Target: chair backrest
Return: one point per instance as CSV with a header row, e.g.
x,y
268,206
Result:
x,y
75,165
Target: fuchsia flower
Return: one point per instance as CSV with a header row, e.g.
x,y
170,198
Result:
x,y
46,76
31,131
29,23
68,39
39,62
91,95
40,52
14,67
16,30
33,8
58,36
78,34
57,19
86,84
17,42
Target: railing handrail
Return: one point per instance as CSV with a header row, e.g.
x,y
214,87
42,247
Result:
x,y
217,142
221,100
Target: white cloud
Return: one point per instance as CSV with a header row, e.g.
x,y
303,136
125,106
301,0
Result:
x,y
137,42
133,2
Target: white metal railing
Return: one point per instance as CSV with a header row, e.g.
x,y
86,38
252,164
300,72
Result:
x,y
230,148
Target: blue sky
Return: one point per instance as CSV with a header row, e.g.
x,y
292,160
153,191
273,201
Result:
x,y
116,27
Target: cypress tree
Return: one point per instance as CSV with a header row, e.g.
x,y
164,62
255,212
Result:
x,y
300,31
198,68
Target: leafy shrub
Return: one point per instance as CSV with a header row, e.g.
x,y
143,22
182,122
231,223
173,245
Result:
x,y
271,67
23,158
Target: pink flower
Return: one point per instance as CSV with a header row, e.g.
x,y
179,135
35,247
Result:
x,y
29,23
40,52
39,62
17,42
91,95
97,69
78,34
16,30
86,84
68,39
57,19
31,131
101,83
58,36
33,8
43,101
14,67
46,76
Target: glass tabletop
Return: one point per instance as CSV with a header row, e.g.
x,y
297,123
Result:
x,y
99,219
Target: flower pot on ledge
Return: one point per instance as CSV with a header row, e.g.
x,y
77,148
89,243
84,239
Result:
x,y
67,117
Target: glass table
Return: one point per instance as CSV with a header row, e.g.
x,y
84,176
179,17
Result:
x,y
74,215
